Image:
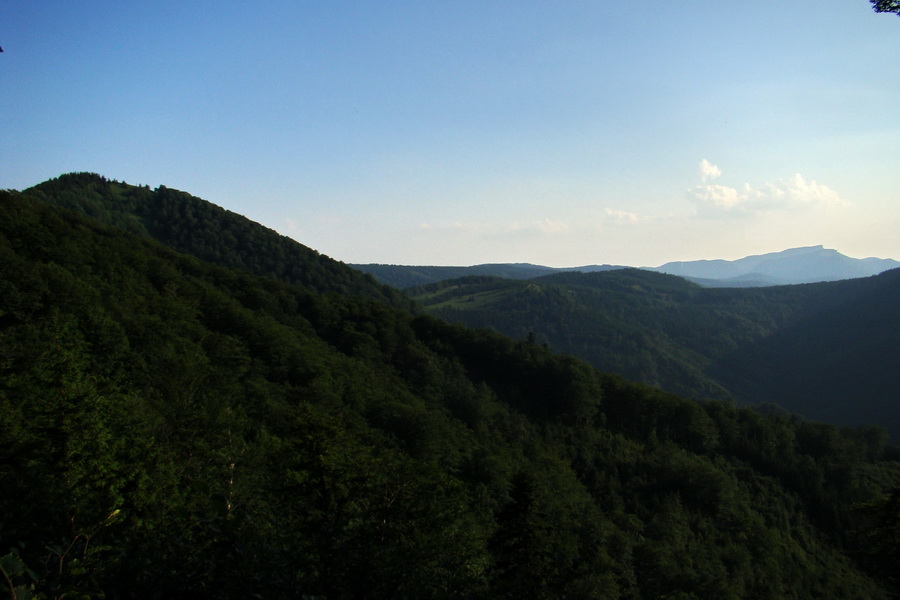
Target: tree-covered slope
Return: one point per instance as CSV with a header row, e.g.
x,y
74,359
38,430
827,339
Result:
x,y
402,277
195,226
650,327
839,365
172,428
753,345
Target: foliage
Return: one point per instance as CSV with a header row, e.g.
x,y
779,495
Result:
x,y
891,6
194,226
174,428
402,276
881,535
813,342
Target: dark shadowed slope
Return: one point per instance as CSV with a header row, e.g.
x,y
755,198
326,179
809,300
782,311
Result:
x,y
840,365
705,343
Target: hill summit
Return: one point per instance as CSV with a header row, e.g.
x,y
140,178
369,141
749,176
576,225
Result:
x,y
796,265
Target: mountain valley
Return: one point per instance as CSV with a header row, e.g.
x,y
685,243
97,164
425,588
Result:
x,y
194,405
826,351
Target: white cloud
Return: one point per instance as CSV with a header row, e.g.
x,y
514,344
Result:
x,y
793,193
709,171
621,216
798,190
718,196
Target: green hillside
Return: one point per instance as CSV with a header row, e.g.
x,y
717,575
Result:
x,y
402,276
194,226
827,351
174,428
839,365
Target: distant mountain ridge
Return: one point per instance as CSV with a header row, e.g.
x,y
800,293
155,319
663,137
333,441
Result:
x,y
405,276
796,265
808,264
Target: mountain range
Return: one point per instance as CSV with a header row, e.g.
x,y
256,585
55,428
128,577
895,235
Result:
x,y
796,265
403,276
194,406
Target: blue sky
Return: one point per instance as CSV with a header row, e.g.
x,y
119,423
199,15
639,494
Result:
x,y
560,133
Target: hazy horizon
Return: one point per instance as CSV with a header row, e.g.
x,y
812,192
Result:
x,y
633,265
562,134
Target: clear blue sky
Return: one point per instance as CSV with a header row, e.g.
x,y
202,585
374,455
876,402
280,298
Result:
x,y
560,133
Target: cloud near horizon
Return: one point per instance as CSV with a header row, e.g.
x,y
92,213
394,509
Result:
x,y
793,193
621,216
545,226
709,171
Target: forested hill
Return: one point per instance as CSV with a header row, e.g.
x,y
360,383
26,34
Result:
x,y
174,428
402,277
195,226
839,364
827,351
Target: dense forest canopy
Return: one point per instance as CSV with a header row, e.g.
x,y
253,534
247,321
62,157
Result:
x,y
209,232
173,427
826,351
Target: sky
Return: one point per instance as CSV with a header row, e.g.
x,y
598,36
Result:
x,y
560,133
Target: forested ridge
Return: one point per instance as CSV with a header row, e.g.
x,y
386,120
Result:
x,y
209,232
170,427
826,351
403,277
